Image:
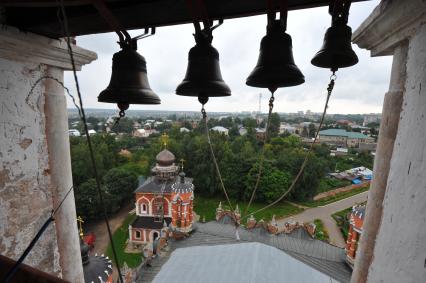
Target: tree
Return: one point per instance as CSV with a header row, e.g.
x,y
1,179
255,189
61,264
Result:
x,y
305,132
273,183
120,184
312,130
274,125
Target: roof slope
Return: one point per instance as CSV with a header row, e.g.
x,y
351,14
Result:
x,y
242,262
321,256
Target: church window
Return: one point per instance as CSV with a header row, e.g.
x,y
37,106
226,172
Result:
x,y
144,208
138,234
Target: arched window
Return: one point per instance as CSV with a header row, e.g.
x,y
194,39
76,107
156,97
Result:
x,y
154,236
138,234
144,208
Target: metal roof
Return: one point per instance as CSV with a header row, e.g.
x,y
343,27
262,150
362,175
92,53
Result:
x,y
242,262
342,133
154,185
149,222
40,16
321,256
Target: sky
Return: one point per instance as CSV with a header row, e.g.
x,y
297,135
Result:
x,y
358,89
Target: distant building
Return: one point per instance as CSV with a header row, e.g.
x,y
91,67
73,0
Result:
x,y
92,132
74,133
260,133
356,222
184,130
221,130
141,133
284,127
164,200
242,131
343,138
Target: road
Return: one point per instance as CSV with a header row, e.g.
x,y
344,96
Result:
x,y
324,213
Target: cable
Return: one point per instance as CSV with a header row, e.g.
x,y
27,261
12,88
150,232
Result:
x,y
40,232
64,25
203,112
60,83
305,161
262,156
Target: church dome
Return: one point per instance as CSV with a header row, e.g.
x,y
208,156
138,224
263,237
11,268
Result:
x,y
165,158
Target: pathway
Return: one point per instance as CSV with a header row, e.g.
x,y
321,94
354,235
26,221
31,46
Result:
x,y
324,213
100,229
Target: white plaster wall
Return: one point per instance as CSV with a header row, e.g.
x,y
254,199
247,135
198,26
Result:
x,y
25,195
400,251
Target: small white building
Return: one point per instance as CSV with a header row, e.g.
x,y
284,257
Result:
x,y
74,133
184,130
141,133
221,130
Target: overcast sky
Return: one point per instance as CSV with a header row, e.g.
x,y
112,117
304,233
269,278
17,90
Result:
x,y
359,89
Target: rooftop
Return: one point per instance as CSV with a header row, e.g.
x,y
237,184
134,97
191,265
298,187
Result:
x,y
342,133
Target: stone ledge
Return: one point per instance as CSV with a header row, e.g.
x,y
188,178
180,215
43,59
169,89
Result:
x,y
389,24
28,47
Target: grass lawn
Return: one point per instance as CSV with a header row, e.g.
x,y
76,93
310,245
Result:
x,y
206,207
120,237
334,198
342,221
320,232
328,184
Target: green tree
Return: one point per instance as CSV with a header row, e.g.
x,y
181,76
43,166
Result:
x,y
120,185
274,125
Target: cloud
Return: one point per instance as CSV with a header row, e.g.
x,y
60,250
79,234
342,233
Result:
x,y
359,89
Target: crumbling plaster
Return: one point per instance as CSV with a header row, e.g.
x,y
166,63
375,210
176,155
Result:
x,y
25,195
35,166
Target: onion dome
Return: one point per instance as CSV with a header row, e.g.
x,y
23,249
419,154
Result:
x,y
95,268
165,158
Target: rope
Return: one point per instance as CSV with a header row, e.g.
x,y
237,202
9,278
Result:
x,y
40,232
305,161
262,156
64,25
203,112
60,83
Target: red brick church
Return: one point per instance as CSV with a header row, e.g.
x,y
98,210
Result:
x,y
163,202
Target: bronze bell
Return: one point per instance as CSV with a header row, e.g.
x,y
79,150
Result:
x,y
336,51
275,67
203,77
129,81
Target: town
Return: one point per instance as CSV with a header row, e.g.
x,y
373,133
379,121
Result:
x,y
212,141
157,192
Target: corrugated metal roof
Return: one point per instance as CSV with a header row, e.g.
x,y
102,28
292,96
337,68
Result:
x,y
321,256
242,262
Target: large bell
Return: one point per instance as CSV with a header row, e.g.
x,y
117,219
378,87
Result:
x,y
275,67
336,51
129,81
203,77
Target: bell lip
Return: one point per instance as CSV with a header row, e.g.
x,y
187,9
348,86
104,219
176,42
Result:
x,y
106,97
253,80
187,88
322,59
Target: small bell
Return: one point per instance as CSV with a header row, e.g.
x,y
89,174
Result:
x,y
203,77
275,67
336,51
129,81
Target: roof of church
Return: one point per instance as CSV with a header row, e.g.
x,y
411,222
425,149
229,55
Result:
x,y
321,256
148,222
165,158
154,185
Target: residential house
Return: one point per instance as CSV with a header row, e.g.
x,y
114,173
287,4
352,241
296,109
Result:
x,y
343,138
